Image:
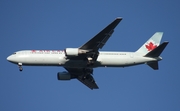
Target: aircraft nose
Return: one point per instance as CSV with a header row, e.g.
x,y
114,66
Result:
x,y
12,59
9,58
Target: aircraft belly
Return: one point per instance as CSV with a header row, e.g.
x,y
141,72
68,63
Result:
x,y
114,61
122,61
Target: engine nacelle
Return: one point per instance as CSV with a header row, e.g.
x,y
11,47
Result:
x,y
74,51
63,76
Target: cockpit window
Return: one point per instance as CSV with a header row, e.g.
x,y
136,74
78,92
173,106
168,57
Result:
x,y
14,53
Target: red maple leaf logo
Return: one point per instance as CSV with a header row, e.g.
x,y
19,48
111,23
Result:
x,y
150,46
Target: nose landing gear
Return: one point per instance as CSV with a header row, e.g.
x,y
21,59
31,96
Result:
x,y
20,66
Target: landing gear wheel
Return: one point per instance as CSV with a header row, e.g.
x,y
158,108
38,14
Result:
x,y
90,63
20,68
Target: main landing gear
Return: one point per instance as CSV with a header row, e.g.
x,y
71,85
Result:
x,y
90,61
20,66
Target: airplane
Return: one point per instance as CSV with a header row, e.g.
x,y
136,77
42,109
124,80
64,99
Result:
x,y
79,62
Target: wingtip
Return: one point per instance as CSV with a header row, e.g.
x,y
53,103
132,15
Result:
x,y
119,18
166,42
160,32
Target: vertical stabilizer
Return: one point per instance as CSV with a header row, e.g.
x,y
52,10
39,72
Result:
x,y
151,44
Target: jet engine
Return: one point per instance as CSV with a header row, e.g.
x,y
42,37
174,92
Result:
x,y
74,51
63,76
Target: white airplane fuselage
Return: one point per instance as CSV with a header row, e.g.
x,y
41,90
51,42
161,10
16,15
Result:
x,y
79,62
58,58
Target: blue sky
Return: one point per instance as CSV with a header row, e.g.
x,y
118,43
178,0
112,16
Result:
x,y
58,24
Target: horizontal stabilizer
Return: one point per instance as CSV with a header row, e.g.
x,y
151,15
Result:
x,y
157,51
153,65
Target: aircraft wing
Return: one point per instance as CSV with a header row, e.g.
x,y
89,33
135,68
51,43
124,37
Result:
x,y
98,41
87,80
101,38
